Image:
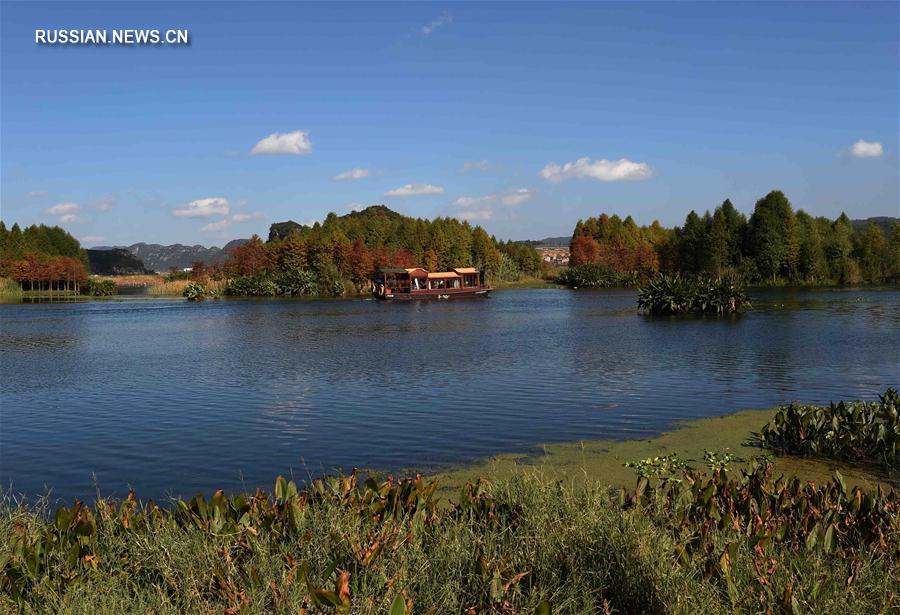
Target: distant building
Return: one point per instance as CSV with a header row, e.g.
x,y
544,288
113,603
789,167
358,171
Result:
x,y
554,255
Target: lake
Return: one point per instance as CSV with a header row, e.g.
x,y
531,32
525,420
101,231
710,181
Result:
x,y
173,397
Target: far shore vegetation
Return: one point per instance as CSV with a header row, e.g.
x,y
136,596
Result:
x,y
697,520
775,246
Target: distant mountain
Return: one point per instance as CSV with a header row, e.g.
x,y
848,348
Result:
x,y
115,261
550,242
161,258
885,222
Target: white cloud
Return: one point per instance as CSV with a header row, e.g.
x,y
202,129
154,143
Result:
x,y
481,208
478,165
68,218
603,170
203,208
104,204
356,206
352,175
515,197
37,194
216,227
92,238
430,27
414,190
61,209
296,143
867,149
257,215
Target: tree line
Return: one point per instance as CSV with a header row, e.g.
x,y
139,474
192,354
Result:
x,y
323,258
775,244
42,258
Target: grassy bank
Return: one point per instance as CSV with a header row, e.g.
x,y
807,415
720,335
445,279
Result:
x,y
541,534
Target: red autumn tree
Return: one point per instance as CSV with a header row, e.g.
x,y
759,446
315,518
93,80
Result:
x,y
583,250
252,258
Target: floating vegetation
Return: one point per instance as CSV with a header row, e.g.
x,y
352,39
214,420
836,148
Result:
x,y
96,287
678,294
198,291
854,431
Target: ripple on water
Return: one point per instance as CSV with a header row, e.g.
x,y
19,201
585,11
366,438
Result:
x,y
167,395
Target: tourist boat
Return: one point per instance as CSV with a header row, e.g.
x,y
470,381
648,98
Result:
x,y
417,283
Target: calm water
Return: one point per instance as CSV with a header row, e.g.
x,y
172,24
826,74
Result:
x,y
168,396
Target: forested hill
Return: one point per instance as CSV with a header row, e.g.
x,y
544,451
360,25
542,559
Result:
x,y
380,236
885,223
342,251
156,257
115,261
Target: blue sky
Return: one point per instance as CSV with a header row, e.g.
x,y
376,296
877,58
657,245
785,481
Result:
x,y
520,117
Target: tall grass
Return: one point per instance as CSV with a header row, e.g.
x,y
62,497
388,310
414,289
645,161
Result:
x,y
177,287
521,545
10,288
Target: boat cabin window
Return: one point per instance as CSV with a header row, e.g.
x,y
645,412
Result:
x,y
470,280
419,284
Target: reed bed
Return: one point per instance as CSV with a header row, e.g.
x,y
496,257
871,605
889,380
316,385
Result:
x,y
132,280
177,287
10,288
174,287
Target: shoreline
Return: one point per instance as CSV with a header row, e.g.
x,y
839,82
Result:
x,y
602,461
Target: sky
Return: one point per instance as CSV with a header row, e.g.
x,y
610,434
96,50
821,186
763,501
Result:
x,y
520,117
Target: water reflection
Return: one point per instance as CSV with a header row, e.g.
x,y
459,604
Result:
x,y
163,394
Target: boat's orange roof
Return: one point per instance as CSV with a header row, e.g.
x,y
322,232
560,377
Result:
x,y
465,270
412,270
443,274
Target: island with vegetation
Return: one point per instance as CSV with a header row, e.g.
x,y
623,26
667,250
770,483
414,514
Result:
x,y
706,533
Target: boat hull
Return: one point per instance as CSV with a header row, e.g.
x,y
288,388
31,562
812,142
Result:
x,y
437,295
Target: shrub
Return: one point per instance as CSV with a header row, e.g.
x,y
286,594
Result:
x,y
197,291
592,275
855,431
293,282
99,288
677,294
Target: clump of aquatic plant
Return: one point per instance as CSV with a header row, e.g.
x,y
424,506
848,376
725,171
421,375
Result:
x,y
757,522
666,466
99,287
198,291
679,294
855,431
